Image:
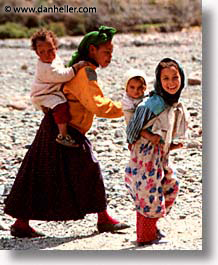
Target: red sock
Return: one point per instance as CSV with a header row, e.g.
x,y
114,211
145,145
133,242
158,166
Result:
x,y
146,228
104,217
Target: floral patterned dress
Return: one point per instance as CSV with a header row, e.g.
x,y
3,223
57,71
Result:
x,y
150,181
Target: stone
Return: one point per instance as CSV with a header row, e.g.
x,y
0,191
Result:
x,y
24,67
2,188
118,133
17,106
194,82
193,145
182,171
194,114
3,226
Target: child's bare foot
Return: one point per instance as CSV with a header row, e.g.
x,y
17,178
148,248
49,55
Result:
x,y
67,140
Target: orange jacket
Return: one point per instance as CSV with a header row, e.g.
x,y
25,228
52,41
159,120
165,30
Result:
x,y
86,99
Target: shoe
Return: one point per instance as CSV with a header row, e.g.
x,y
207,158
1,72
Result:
x,y
28,232
142,244
66,141
148,243
155,241
111,227
160,234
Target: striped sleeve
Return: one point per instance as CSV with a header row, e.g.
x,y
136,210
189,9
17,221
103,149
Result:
x,y
141,116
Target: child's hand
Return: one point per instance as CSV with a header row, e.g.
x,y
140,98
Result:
x,y
80,65
155,139
175,146
45,109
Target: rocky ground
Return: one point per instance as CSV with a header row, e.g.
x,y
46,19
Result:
x,y
19,122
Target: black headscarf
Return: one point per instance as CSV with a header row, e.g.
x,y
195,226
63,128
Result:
x,y
168,98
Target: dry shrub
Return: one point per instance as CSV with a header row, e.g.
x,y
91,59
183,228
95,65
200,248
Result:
x,y
126,16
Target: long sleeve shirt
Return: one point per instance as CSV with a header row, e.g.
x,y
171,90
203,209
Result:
x,y
86,100
49,78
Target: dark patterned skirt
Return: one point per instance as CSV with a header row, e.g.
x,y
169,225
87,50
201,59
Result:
x,y
56,182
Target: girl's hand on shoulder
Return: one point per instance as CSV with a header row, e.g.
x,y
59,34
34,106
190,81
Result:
x,y
130,147
80,65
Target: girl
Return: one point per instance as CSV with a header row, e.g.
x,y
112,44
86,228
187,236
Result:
x,y
58,183
149,179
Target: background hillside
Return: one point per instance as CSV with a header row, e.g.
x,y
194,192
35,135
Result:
x,y
126,15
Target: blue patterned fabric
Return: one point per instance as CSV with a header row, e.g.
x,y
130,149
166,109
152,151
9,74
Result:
x,y
146,110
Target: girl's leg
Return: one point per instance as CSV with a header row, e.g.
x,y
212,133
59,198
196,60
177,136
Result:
x,y
146,229
61,113
61,117
62,127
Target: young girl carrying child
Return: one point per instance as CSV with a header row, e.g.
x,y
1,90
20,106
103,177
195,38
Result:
x,y
55,183
49,78
149,179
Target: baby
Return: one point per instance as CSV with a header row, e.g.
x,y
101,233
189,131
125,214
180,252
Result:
x,y
135,86
49,78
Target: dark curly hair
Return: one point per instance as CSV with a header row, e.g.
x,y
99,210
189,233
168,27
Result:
x,y
43,35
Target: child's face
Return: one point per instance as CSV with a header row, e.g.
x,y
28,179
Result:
x,y
102,54
170,79
46,50
135,88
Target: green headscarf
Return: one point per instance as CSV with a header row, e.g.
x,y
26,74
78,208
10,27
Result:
x,y
96,38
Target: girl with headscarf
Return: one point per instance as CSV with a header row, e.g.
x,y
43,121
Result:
x,y
54,182
135,85
149,179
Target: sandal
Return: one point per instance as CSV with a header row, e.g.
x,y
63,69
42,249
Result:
x,y
111,227
25,232
66,141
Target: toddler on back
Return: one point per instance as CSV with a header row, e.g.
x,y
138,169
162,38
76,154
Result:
x,y
46,92
135,86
